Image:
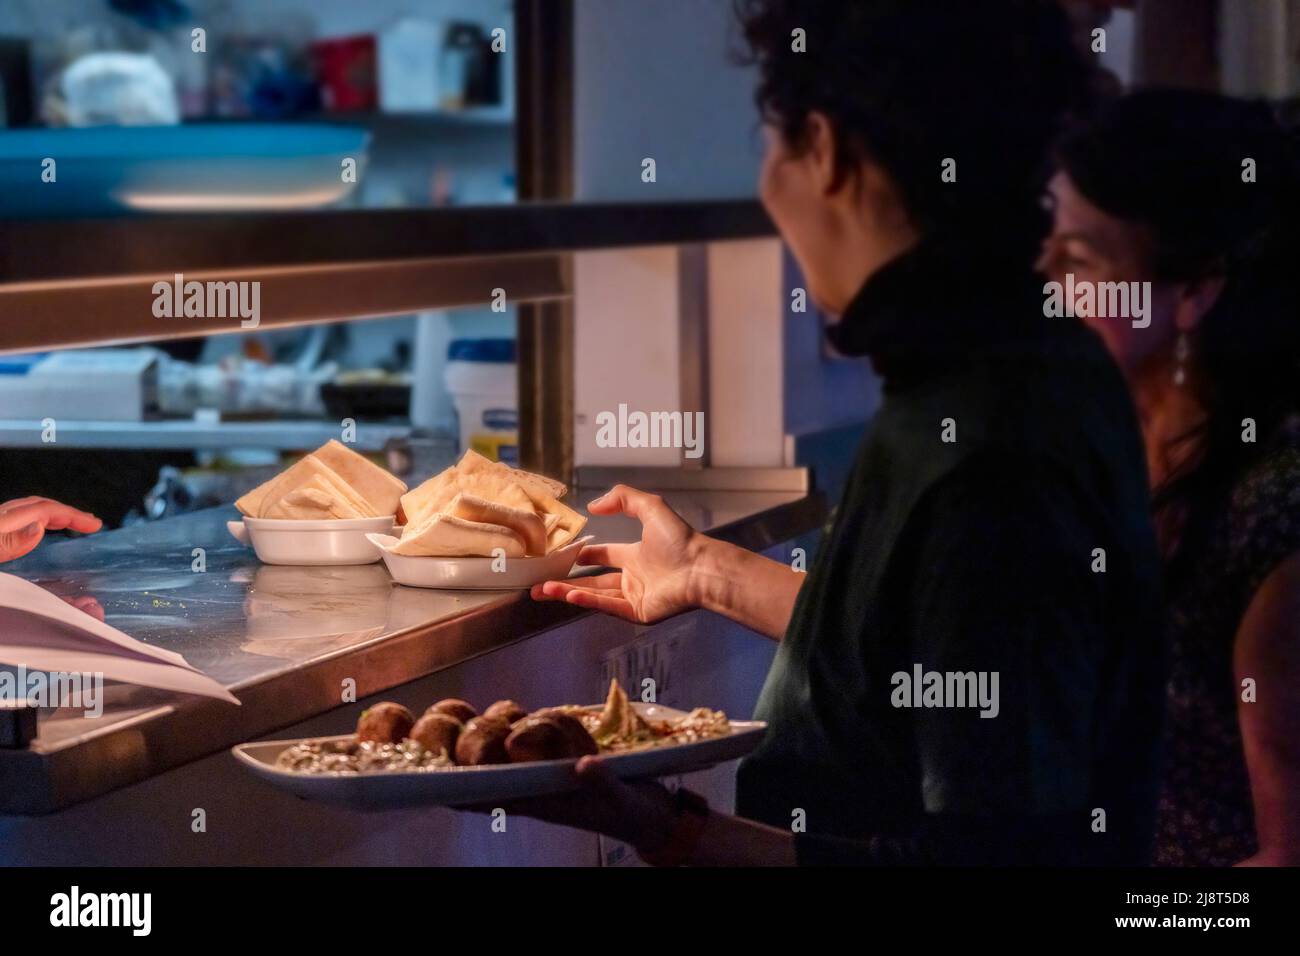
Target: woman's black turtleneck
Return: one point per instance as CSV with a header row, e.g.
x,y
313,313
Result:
x,y
1005,454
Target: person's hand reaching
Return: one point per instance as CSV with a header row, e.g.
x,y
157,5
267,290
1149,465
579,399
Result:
x,y
24,521
657,574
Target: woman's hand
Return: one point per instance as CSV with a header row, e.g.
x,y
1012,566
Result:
x,y
24,521
643,814
87,605
674,568
639,813
657,579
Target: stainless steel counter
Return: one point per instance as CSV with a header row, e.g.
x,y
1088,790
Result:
x,y
285,640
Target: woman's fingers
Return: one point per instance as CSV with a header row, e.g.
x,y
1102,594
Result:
x,y
88,605
19,502
605,555
610,579
593,773
18,519
23,524
556,590
601,593
638,811
62,517
597,598
560,590
15,544
606,601
51,515
623,499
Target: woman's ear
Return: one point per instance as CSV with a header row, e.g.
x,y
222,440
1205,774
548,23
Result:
x,y
1197,299
820,149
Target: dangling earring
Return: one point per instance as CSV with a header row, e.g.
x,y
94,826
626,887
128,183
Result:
x,y
1182,349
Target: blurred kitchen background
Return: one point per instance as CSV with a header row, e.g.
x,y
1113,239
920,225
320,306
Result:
x,y
435,103
418,97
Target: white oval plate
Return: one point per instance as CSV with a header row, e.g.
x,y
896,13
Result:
x,y
476,574
310,543
459,786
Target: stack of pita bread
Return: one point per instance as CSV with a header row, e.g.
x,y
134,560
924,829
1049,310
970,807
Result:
x,y
477,506
333,482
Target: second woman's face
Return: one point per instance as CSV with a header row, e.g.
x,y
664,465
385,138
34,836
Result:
x,y
1095,247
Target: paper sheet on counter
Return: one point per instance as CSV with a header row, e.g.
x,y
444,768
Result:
x,y
41,632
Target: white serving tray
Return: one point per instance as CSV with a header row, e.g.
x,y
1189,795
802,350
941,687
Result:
x,y
476,573
461,786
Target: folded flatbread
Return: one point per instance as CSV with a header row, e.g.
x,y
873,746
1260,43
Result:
x,y
437,493
484,492
310,472
317,500
444,535
379,488
563,524
472,463
524,522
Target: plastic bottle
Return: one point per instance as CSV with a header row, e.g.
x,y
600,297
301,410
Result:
x,y
482,379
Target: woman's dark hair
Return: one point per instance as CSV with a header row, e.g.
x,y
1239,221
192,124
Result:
x,y
1216,183
910,83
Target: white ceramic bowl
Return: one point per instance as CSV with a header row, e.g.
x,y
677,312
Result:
x,y
476,574
311,543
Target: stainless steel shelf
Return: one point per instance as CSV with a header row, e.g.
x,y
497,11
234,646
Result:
x,y
66,282
201,436
119,310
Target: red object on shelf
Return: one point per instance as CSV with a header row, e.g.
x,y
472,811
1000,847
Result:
x,y
345,69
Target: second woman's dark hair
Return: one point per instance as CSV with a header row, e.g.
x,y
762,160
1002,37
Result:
x,y
1216,183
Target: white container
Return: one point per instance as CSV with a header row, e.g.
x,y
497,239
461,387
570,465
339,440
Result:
x,y
482,379
476,574
101,385
408,53
311,543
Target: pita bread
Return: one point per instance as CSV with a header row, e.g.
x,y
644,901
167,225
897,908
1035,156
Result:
x,y
565,524
524,522
447,536
380,488
258,502
472,463
250,503
489,493
437,493
341,487
318,499
305,504
420,500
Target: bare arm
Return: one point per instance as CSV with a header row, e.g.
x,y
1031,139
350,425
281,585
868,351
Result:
x,y
748,588
735,841
1267,651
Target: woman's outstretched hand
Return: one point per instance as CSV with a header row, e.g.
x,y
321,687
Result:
x,y
24,521
657,576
